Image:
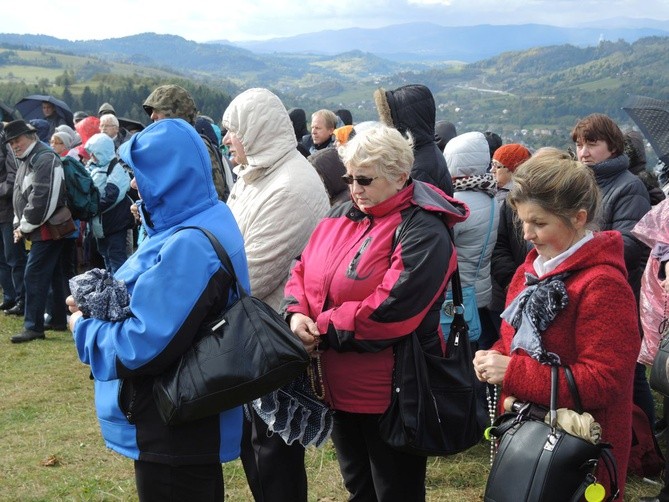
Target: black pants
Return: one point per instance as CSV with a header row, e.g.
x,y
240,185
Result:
x,y
166,483
274,470
371,469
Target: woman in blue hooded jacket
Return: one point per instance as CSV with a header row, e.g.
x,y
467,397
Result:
x,y
176,282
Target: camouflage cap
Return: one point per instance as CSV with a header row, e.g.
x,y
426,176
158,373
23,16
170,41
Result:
x,y
172,100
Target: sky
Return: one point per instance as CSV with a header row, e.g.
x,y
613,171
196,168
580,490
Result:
x,y
242,20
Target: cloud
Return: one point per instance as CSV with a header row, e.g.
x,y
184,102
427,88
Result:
x,y
262,19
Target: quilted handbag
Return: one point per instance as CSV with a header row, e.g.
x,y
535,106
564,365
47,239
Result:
x,y
246,352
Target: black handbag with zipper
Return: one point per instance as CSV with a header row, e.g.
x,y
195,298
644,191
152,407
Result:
x,y
432,410
246,352
539,462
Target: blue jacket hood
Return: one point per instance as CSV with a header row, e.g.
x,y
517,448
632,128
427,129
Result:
x,y
102,146
173,172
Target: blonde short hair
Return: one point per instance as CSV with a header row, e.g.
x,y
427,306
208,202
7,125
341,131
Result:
x,y
328,116
381,147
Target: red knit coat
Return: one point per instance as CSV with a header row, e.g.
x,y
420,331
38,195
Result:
x,y
596,335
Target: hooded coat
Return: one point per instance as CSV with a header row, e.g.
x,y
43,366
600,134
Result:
x,y
368,285
278,198
596,335
113,183
411,108
468,155
176,282
330,168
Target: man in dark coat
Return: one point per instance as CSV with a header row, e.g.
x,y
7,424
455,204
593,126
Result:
x,y
12,254
412,108
39,191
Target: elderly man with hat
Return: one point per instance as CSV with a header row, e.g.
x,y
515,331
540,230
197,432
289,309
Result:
x,y
39,191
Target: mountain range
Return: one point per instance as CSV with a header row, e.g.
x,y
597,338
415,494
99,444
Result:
x,y
540,89
426,43
432,42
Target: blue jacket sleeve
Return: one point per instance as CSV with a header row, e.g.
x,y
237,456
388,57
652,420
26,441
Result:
x,y
169,301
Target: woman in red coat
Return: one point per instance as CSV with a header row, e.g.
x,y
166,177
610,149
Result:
x,y
590,324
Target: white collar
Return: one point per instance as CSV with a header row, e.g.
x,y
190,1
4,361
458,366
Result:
x,y
543,266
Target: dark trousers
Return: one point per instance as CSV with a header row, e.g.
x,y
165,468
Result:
x,y
12,263
114,250
166,483
58,313
43,271
274,470
371,469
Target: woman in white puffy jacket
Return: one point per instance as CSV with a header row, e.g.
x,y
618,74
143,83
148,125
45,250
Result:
x,y
468,158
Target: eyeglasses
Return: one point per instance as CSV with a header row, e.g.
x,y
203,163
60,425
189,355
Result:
x,y
361,180
498,165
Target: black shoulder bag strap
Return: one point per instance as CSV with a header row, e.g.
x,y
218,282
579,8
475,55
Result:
x,y
223,257
459,325
607,457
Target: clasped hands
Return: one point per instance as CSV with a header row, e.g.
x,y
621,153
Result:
x,y
490,366
307,331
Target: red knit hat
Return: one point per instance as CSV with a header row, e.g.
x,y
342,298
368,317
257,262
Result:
x,y
511,155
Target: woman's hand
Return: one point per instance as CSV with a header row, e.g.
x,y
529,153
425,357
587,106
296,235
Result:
x,y
75,312
490,366
305,328
134,209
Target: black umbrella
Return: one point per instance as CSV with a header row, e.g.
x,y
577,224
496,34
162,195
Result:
x,y
6,113
31,107
129,124
652,117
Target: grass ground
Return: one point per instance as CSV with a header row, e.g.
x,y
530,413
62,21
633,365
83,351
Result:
x,y
52,449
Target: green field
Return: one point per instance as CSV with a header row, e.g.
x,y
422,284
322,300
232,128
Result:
x,y
52,449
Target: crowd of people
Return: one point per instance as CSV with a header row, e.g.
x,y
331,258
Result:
x,y
351,231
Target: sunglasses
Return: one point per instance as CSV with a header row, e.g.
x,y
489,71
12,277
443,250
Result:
x,y
361,180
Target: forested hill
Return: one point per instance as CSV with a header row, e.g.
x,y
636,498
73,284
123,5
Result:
x,y
534,95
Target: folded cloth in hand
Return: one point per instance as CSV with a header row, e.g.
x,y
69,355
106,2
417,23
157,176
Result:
x,y
101,296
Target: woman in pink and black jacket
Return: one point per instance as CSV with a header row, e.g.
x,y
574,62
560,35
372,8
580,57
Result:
x,y
374,271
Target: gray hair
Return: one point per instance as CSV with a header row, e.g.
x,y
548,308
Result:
x,y
109,119
381,147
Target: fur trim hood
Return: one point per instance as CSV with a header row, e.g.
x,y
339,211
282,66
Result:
x,y
408,108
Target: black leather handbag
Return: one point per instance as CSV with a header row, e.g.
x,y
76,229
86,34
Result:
x,y
246,352
537,462
432,410
659,371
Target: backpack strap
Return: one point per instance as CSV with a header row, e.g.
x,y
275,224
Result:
x,y
111,166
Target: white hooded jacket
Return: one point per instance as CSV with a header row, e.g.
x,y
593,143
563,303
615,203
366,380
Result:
x,y
278,198
468,155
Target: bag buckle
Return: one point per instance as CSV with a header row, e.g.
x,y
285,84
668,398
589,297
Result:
x,y
450,309
551,442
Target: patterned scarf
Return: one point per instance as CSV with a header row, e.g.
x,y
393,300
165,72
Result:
x,y
479,182
532,311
